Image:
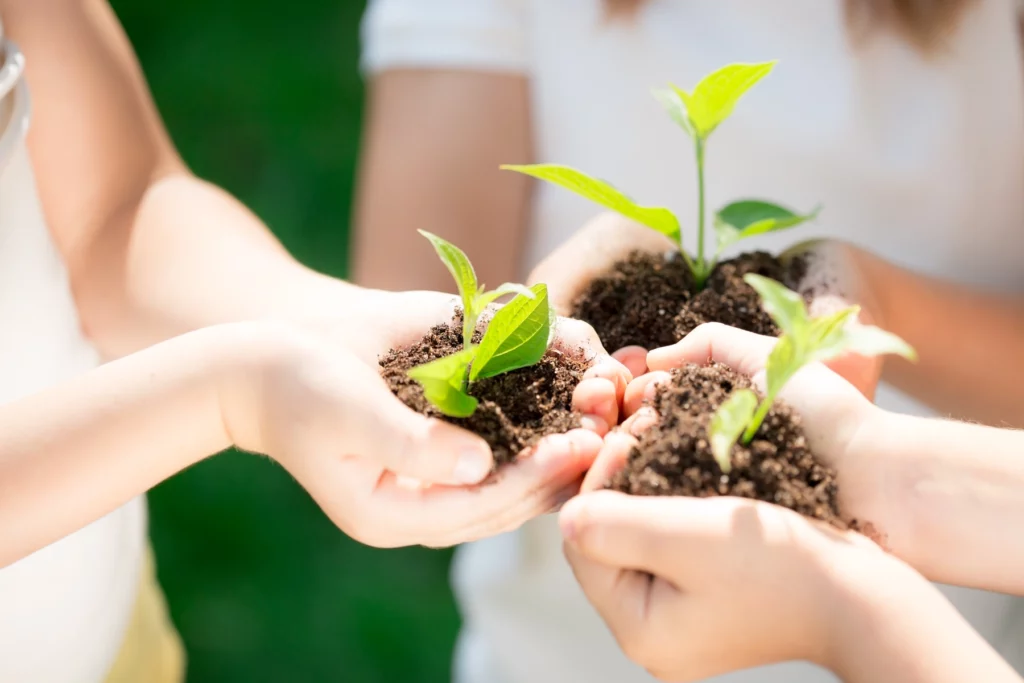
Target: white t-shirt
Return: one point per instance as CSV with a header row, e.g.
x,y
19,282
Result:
x,y
918,159
64,609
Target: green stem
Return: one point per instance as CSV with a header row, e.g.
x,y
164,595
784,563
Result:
x,y
755,422
468,328
700,206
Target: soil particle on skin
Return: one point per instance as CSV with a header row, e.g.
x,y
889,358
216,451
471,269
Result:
x,y
674,456
649,300
516,409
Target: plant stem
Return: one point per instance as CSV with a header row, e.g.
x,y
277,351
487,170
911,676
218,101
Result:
x,y
468,328
700,206
755,422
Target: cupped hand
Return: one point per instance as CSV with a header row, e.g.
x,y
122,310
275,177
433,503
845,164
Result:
x,y
693,588
385,474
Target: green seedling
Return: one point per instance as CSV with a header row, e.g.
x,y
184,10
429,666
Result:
x,y
803,340
517,336
699,113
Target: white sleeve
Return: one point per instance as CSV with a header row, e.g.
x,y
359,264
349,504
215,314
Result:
x,y
470,34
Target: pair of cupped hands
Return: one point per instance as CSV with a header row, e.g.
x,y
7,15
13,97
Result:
x,y
723,568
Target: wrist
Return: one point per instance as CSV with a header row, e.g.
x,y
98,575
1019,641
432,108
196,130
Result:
x,y
249,355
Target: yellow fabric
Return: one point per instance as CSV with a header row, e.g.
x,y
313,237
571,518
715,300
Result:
x,y
152,651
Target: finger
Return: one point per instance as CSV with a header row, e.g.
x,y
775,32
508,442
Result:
x,y
640,421
597,397
589,253
619,596
641,390
374,424
445,515
634,358
661,535
743,351
612,370
610,460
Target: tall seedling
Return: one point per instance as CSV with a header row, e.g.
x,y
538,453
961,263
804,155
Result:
x,y
699,113
517,336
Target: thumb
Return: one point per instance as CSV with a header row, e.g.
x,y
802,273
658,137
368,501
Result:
x,y
745,352
382,429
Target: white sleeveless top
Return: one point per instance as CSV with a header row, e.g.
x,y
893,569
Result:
x,y
64,609
919,160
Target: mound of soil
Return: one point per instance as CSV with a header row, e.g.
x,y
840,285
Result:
x,y
674,456
650,300
516,409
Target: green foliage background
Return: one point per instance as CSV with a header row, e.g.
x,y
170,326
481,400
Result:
x,y
264,98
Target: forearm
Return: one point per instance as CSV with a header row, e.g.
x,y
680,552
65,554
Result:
x,y
958,333
72,454
151,250
898,627
959,489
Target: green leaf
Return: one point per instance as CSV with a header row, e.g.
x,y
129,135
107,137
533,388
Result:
x,y
654,217
785,306
715,97
783,362
442,381
459,266
728,422
485,299
516,337
672,103
865,340
750,217
826,330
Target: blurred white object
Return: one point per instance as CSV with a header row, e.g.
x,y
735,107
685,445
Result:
x,y
64,609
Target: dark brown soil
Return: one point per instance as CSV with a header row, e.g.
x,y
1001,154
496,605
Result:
x,y
648,300
516,409
674,456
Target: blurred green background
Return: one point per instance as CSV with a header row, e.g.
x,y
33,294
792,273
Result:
x,y
264,98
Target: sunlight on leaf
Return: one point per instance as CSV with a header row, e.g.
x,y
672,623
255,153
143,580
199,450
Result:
x,y
785,306
600,192
715,97
443,381
751,217
516,337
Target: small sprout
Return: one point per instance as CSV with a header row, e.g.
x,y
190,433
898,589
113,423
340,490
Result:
x,y
517,336
728,423
474,297
698,113
804,340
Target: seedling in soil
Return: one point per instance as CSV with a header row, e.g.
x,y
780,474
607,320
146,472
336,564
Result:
x,y
517,336
699,113
803,340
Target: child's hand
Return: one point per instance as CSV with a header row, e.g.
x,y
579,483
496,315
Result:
x,y
839,421
385,474
693,588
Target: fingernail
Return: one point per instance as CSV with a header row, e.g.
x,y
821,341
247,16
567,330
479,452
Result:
x,y
592,424
472,467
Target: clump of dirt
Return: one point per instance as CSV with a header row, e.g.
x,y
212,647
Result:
x,y
650,300
516,409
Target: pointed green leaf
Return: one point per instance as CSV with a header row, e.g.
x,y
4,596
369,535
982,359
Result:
x,y
458,265
864,340
600,192
485,299
827,329
750,217
728,422
785,306
783,362
715,97
442,381
516,337
672,103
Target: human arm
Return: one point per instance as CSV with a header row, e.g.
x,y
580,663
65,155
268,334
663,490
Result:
x,y
693,588
447,103
73,453
152,251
